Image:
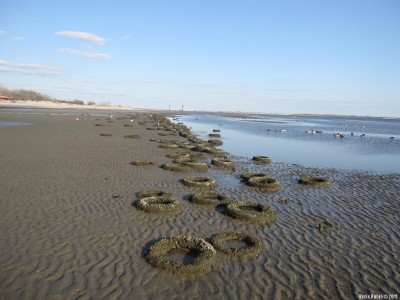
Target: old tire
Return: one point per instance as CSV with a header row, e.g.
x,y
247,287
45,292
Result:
x,y
199,181
262,159
159,205
253,247
203,252
315,181
209,198
176,167
264,183
223,163
261,213
247,176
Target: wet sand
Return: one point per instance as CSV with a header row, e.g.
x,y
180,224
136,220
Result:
x,y
69,229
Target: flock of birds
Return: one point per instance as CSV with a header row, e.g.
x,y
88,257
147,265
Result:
x,y
337,135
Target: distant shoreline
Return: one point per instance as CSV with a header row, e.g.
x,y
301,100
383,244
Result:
x,y
23,104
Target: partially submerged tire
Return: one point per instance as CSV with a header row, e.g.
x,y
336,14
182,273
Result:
x,y
159,205
216,142
204,255
199,181
250,211
214,135
217,152
152,193
209,198
176,167
264,183
168,146
252,245
262,159
315,181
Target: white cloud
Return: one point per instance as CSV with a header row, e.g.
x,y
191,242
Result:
x,y
86,36
87,54
2,32
28,68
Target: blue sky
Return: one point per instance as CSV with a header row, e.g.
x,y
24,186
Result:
x,y
325,56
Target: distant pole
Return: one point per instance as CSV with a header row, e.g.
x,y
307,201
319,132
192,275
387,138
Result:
x,y
170,107
182,107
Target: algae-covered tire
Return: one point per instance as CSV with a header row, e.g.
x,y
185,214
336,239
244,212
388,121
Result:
x,y
179,155
247,176
153,193
209,198
168,146
159,205
204,255
176,167
260,213
253,247
223,162
216,130
214,135
216,142
132,136
262,159
199,181
142,163
217,152
264,183
105,134
315,181
198,166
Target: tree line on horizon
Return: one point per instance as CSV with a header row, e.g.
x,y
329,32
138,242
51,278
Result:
x,y
26,95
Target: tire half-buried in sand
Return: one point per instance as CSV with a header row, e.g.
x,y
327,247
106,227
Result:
x,y
264,183
159,205
315,181
252,245
203,255
209,198
199,181
250,211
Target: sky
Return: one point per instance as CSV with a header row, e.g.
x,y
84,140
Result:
x,y
299,56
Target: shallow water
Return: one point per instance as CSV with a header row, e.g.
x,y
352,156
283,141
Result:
x,y
370,148
6,124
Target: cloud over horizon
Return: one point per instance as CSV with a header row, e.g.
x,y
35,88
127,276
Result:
x,y
28,68
85,36
86,54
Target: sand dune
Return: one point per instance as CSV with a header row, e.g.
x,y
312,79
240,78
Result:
x,y
69,229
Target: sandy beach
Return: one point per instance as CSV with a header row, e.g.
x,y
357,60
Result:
x,y
70,228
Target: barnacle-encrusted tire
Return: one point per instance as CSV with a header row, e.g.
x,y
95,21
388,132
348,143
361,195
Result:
x,y
253,244
132,136
142,163
179,155
159,204
176,167
216,130
264,183
168,146
216,142
224,163
247,176
314,181
217,152
262,159
203,252
105,134
198,166
209,198
153,193
199,181
261,213
214,135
